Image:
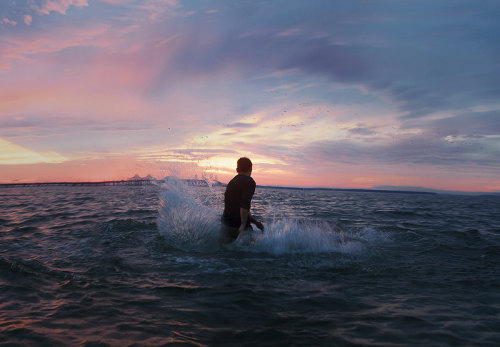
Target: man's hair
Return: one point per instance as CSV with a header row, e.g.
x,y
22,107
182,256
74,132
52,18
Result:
x,y
244,165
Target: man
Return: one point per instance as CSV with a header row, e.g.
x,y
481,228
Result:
x,y
237,198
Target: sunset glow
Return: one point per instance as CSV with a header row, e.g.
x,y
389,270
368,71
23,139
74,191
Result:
x,y
317,93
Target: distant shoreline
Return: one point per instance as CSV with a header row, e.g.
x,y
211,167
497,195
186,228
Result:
x,y
133,182
99,183
202,183
361,190
190,182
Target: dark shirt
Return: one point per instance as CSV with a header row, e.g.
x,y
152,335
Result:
x,y
239,193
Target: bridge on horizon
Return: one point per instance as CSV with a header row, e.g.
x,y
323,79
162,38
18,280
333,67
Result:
x,y
101,183
135,182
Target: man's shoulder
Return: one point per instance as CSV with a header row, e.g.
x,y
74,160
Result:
x,y
250,181
242,179
234,180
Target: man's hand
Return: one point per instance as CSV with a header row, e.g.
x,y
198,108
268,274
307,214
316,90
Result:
x,y
259,225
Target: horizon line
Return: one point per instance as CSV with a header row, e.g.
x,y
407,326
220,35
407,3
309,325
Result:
x,y
418,190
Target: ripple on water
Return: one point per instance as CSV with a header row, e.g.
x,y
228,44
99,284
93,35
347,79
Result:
x,y
108,266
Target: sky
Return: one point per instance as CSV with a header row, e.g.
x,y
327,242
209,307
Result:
x,y
348,94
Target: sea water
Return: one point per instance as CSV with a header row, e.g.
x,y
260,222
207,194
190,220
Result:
x,y
145,265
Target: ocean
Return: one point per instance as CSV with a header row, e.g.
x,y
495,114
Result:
x,y
144,265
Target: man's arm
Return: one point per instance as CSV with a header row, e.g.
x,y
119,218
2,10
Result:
x,y
244,214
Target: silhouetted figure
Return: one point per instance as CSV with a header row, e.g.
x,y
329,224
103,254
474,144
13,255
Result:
x,y
237,199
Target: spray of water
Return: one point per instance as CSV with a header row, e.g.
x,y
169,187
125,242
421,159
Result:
x,y
184,220
189,218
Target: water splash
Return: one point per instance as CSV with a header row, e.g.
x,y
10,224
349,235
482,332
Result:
x,y
288,236
189,219
184,220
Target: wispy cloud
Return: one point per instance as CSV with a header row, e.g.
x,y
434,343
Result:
x,y
60,6
12,154
9,21
27,19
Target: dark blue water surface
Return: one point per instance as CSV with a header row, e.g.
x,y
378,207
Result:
x,y
144,265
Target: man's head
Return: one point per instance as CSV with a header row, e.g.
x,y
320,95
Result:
x,y
244,166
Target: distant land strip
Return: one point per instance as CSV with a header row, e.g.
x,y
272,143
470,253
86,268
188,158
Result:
x,y
191,182
101,183
361,190
139,182
132,182
204,183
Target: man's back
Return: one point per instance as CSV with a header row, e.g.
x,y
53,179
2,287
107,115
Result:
x,y
239,193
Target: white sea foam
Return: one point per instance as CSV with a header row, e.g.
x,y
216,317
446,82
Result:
x,y
285,236
191,220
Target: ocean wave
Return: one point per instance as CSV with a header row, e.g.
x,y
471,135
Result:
x,y
32,267
124,225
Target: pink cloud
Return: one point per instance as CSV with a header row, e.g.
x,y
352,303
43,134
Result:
x,y
27,47
60,6
9,21
52,42
158,9
28,20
